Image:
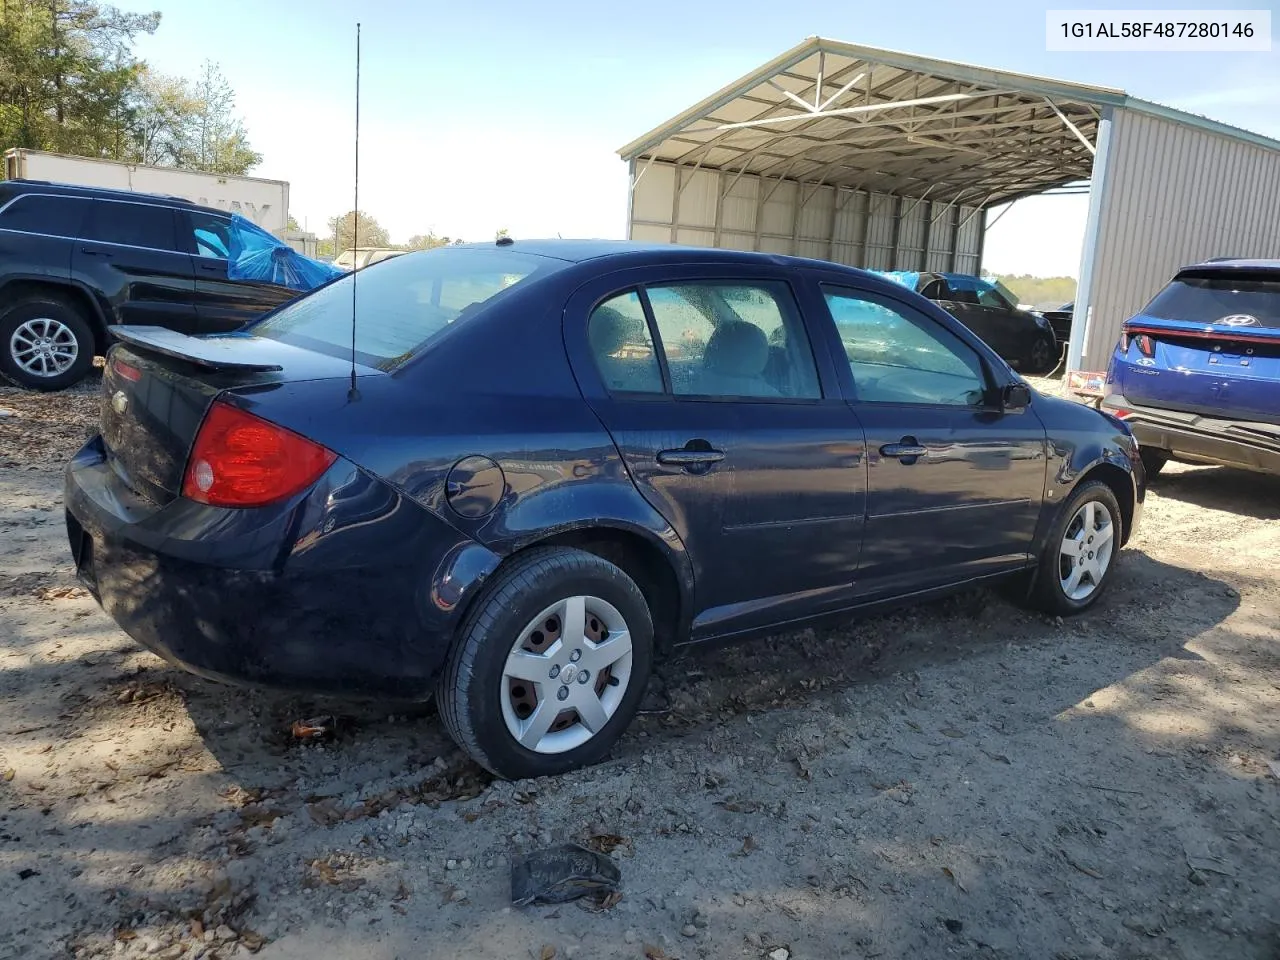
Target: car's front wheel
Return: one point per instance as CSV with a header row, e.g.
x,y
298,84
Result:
x,y
1080,551
1043,356
549,667
45,344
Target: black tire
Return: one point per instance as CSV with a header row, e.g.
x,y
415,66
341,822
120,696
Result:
x,y
469,692
52,307
1048,594
1153,460
1043,356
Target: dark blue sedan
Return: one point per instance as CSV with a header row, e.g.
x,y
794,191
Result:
x,y
527,470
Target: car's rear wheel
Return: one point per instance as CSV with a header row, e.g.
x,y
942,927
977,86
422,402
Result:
x,y
45,344
550,665
1153,460
1080,551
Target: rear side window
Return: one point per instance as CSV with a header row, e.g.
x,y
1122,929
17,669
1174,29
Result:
x,y
1226,300
53,216
403,303
132,224
734,340
621,346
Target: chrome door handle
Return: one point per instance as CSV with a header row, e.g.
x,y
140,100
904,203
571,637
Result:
x,y
906,450
689,458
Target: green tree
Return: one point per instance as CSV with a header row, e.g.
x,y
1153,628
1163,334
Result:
x,y
218,142
426,241
370,233
502,232
67,72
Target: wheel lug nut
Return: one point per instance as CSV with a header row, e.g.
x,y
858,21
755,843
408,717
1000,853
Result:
x,y
583,676
555,671
562,693
575,656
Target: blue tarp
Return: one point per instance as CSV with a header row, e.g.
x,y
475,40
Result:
x,y
254,254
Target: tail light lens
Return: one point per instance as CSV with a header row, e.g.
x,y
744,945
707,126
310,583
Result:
x,y
1124,342
240,460
1146,346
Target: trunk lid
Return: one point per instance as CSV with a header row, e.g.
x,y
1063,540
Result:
x,y
1215,369
158,386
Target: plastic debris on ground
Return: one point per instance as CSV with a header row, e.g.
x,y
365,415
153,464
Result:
x,y
255,254
561,874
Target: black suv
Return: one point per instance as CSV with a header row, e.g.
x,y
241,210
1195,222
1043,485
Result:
x,y
74,260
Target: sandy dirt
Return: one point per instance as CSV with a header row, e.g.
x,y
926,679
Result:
x,y
959,780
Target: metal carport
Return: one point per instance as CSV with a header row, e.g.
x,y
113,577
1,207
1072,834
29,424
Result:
x,y
890,160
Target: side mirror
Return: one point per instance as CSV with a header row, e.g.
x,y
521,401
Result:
x,y
1016,396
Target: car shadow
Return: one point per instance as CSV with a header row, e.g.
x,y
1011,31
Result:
x,y
1241,492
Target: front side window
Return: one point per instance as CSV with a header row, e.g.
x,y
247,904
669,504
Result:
x,y
40,213
210,235
132,224
899,356
733,339
621,346
403,304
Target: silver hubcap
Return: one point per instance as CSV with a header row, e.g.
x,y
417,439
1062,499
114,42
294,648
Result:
x,y
566,675
1086,550
44,347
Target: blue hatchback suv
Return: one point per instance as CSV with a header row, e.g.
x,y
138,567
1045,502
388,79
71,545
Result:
x,y
1196,374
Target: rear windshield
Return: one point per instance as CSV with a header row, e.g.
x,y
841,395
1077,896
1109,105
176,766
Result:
x,y
401,303
1230,301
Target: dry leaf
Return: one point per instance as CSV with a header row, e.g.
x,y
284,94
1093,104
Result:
x,y
955,879
548,952
126,935
9,774
655,953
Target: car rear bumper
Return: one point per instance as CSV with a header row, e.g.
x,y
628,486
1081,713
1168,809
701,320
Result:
x,y
1197,438
349,589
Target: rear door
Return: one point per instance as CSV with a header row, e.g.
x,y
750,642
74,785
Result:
x,y
731,427
223,304
954,487
131,248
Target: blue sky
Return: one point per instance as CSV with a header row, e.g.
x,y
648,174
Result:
x,y
506,114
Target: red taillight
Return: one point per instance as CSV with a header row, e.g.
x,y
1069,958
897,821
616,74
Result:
x,y
129,372
240,460
1146,346
1120,412
1124,342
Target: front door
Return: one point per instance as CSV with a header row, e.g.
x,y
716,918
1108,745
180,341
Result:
x,y
955,486
731,432
131,249
223,304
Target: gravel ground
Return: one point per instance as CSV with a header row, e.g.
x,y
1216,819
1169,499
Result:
x,y
962,779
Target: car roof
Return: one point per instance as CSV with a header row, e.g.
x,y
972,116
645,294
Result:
x,y
638,253
1231,264
104,193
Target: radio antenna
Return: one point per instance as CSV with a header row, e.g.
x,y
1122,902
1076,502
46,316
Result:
x,y
353,393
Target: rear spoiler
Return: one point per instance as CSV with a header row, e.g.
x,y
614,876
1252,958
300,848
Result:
x,y
212,353
1249,333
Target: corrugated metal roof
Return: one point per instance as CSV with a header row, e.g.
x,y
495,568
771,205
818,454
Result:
x,y
861,117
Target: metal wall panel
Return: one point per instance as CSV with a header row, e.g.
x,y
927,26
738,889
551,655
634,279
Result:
x,y
721,208
1174,194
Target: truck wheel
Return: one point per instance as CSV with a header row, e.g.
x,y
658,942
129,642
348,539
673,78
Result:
x,y
549,666
45,343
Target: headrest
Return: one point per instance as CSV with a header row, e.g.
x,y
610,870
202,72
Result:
x,y
607,331
737,349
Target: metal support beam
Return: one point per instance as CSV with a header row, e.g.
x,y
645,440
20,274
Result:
x,y
848,111
720,193
797,208
955,238
1082,314
897,233
928,230
675,204
760,201
866,233
1072,127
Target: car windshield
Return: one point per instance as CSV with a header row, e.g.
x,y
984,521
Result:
x,y
402,304
1226,300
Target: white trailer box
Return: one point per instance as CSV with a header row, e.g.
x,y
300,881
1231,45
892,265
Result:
x,y
265,202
